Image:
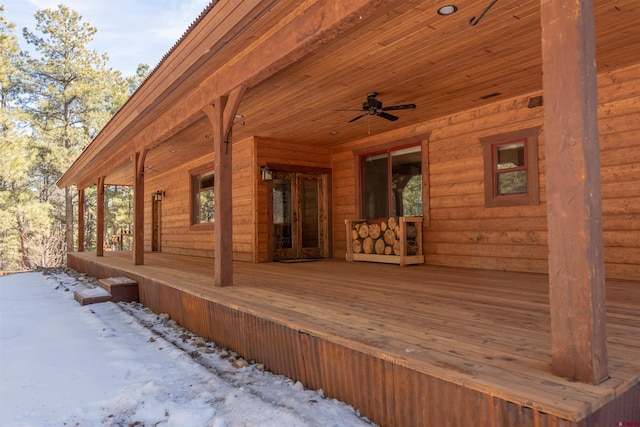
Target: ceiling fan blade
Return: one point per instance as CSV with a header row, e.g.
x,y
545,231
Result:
x,y
399,107
387,116
356,118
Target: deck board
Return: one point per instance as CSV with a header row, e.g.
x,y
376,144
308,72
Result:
x,y
485,330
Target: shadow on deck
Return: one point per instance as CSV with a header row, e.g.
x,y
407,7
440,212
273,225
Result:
x,y
406,346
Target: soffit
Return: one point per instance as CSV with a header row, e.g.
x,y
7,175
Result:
x,y
406,53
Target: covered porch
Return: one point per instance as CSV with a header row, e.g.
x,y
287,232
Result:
x,y
406,346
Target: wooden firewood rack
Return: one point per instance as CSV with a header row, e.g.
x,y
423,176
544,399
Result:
x,y
374,243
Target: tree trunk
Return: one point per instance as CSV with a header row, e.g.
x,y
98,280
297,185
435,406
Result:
x,y
24,250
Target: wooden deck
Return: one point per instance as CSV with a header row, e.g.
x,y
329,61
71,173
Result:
x,y
407,346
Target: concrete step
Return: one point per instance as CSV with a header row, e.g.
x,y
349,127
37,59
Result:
x,y
122,289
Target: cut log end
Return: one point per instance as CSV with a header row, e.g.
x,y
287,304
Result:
x,y
368,245
374,231
363,231
379,247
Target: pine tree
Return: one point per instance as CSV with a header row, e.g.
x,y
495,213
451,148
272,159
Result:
x,y
21,212
71,95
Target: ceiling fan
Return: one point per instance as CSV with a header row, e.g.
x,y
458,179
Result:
x,y
373,107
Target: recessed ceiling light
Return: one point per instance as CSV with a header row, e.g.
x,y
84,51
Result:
x,y
447,10
173,151
333,132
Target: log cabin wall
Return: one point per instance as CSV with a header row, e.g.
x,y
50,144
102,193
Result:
x,y
274,153
178,235
462,232
619,127
244,200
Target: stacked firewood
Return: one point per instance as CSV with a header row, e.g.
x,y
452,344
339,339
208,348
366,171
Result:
x,y
383,238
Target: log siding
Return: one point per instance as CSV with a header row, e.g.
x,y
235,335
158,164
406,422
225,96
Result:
x,y
462,232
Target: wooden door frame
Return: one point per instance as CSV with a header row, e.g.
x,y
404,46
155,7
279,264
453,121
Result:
x,y
326,181
156,224
286,253
323,220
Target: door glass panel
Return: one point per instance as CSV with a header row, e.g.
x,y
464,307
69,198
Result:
x,y
282,213
309,213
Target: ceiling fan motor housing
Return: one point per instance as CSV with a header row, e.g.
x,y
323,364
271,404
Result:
x,y
371,104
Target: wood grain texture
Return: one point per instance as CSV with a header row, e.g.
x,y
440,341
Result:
x,y
440,347
574,206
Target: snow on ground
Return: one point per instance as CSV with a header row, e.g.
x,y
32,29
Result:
x,y
122,365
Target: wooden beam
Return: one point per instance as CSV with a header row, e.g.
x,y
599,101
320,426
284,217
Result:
x,y
231,108
222,114
138,207
80,219
224,22
574,212
307,27
223,213
100,219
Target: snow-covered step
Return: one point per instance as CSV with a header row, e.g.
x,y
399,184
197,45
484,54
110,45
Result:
x,y
92,296
120,288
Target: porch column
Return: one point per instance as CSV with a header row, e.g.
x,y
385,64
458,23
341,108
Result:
x,y
222,114
574,211
100,219
138,207
80,219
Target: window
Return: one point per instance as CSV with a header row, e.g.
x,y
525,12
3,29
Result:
x,y
203,200
511,168
392,183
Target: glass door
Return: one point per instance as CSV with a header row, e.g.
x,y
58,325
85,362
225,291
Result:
x,y
298,215
283,223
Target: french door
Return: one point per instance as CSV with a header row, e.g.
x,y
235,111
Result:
x,y
299,216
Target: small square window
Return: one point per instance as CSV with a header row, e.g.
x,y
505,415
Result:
x,y
511,168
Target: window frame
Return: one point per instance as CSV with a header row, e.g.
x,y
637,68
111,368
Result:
x,y
193,173
388,152
490,146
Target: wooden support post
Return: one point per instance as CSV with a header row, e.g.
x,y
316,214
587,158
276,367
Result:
x,y
138,207
100,219
80,219
574,211
222,114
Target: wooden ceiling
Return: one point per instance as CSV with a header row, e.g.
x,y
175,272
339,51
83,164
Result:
x,y
407,53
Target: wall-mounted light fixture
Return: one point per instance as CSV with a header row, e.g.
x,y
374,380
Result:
x,y
266,173
158,196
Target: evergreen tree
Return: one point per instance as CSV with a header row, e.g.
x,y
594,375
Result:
x,y
51,107
71,94
21,212
134,82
